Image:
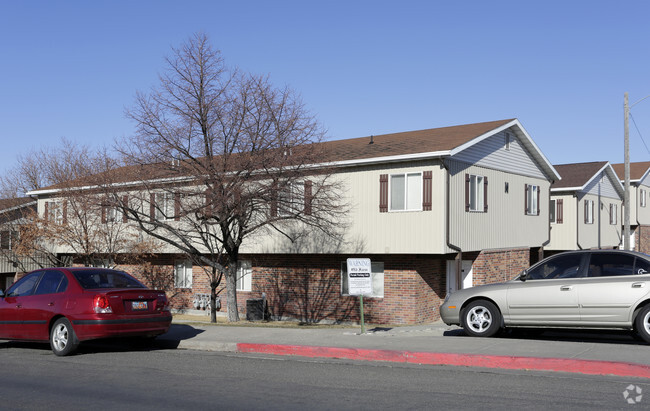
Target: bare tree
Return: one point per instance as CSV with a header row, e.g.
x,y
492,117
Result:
x,y
220,157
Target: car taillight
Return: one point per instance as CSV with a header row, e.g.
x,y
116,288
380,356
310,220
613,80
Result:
x,y
101,305
163,303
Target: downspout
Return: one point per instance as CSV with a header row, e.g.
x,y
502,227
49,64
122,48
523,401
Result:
x,y
459,258
577,221
638,224
540,254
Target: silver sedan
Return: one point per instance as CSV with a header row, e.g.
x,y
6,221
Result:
x,y
580,289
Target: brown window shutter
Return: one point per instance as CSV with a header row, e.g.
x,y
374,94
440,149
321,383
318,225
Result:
x,y
104,212
177,206
559,217
46,215
152,206
467,192
383,193
308,197
125,201
274,199
539,198
526,199
65,212
427,186
485,192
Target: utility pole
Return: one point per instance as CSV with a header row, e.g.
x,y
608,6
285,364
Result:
x,y
626,198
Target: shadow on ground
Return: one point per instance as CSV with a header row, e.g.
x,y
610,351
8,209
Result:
x,y
560,334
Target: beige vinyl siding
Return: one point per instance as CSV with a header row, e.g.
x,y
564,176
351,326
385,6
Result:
x,y
600,233
563,236
505,224
641,214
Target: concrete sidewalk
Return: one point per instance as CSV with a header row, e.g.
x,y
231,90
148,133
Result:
x,y
600,353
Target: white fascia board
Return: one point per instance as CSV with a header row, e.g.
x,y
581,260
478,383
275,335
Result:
x,y
564,189
126,184
528,143
380,160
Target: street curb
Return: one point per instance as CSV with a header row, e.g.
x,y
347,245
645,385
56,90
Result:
x,y
589,367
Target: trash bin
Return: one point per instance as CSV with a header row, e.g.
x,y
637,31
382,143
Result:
x,y
255,309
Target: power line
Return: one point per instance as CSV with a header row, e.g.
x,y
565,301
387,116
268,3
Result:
x,y
638,131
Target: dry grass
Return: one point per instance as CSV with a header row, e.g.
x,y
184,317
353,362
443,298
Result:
x,y
221,321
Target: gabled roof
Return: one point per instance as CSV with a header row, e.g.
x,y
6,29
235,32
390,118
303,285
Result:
x,y
638,170
578,176
385,148
10,204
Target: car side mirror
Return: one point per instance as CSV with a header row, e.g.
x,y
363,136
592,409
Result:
x,y
523,276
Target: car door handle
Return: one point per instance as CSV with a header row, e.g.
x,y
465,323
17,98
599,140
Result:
x,y
50,304
566,288
638,285
19,306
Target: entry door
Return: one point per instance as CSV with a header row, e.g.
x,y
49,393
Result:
x,y
466,274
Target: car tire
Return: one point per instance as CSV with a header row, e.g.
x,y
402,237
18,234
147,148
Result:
x,y
63,339
642,323
481,318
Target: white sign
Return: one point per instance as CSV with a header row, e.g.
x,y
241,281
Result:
x,y
359,276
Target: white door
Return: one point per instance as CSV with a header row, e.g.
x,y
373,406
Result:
x,y
466,274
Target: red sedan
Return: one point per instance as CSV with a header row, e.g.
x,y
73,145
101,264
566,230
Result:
x,y
69,305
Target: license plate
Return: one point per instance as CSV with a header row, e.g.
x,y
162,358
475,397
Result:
x,y
139,305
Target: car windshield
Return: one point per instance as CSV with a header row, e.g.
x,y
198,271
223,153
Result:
x,y
92,279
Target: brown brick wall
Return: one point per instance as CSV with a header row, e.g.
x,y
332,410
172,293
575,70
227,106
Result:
x,y
642,239
493,266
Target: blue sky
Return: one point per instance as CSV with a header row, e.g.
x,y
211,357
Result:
x,y
69,68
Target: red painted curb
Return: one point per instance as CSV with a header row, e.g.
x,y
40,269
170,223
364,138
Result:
x,y
592,367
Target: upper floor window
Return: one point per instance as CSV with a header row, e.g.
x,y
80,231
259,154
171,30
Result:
x,y
552,210
55,211
642,196
476,191
531,199
163,206
556,211
8,240
589,211
507,142
613,214
406,192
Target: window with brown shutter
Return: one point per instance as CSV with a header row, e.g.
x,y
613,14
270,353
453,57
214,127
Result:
x,y
467,178
274,200
308,197
152,206
177,206
383,193
125,201
485,194
427,187
559,216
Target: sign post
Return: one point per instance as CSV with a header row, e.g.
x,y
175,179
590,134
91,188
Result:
x,y
360,282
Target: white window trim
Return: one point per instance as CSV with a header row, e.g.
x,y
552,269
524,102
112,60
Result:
x,y
553,206
418,206
244,275
164,207
183,274
477,189
55,211
589,219
533,199
642,199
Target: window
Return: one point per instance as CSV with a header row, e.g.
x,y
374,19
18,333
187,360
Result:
x,y
642,195
291,199
564,266
476,193
24,286
406,192
610,265
183,274
613,214
244,275
377,273
52,282
589,211
8,240
532,199
507,142
551,211
54,212
164,206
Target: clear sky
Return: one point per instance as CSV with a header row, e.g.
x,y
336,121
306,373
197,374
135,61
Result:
x,y
69,68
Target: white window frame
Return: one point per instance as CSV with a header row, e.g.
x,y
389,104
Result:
x,y
508,138
244,275
183,274
164,209
377,273
291,198
411,195
55,211
533,199
642,197
613,214
476,193
589,209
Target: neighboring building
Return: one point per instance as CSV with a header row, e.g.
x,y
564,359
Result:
x,y
586,207
639,209
434,210
12,212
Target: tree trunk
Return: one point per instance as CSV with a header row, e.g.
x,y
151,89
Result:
x,y
213,302
231,293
